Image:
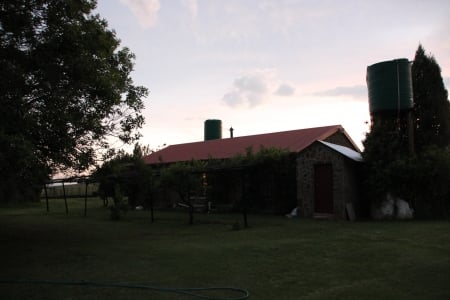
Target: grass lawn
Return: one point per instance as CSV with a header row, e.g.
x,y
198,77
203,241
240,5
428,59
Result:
x,y
276,258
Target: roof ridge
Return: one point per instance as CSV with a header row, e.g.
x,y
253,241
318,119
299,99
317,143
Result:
x,y
292,140
259,134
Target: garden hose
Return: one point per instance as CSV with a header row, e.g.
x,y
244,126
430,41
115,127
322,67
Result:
x,y
193,292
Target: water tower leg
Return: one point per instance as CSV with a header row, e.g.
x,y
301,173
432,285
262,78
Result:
x,y
411,133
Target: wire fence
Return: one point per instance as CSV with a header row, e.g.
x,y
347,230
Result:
x,y
70,190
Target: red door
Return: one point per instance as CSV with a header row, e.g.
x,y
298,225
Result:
x,y
323,189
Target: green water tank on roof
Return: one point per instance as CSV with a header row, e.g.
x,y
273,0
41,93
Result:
x,y
213,129
390,86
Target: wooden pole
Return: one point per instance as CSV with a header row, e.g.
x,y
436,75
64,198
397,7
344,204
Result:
x,y
411,133
65,199
85,198
150,197
46,196
244,197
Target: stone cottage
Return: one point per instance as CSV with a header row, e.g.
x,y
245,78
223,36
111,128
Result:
x,y
324,164
328,181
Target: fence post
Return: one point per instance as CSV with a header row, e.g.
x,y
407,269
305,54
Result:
x,y
65,199
46,196
85,198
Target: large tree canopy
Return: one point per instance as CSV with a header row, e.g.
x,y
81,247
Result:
x,y
65,87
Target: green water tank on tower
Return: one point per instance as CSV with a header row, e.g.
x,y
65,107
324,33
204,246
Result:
x,y
213,129
390,86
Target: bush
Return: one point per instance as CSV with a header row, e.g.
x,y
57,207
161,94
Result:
x,y
423,180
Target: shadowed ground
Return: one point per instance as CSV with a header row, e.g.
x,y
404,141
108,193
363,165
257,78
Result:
x,y
276,258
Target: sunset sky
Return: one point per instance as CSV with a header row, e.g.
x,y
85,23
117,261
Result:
x,y
265,66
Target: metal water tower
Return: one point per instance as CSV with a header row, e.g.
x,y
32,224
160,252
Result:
x,y
213,129
390,86
390,90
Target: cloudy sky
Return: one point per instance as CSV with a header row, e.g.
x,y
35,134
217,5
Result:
x,y
267,65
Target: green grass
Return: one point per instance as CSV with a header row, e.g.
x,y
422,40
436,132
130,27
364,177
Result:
x,y
276,258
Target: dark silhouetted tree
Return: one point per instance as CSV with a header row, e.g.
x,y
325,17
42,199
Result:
x,y
431,105
127,175
185,179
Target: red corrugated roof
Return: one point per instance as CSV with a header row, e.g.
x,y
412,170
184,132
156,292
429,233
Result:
x,y
293,140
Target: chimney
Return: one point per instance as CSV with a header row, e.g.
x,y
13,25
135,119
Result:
x,y
231,132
